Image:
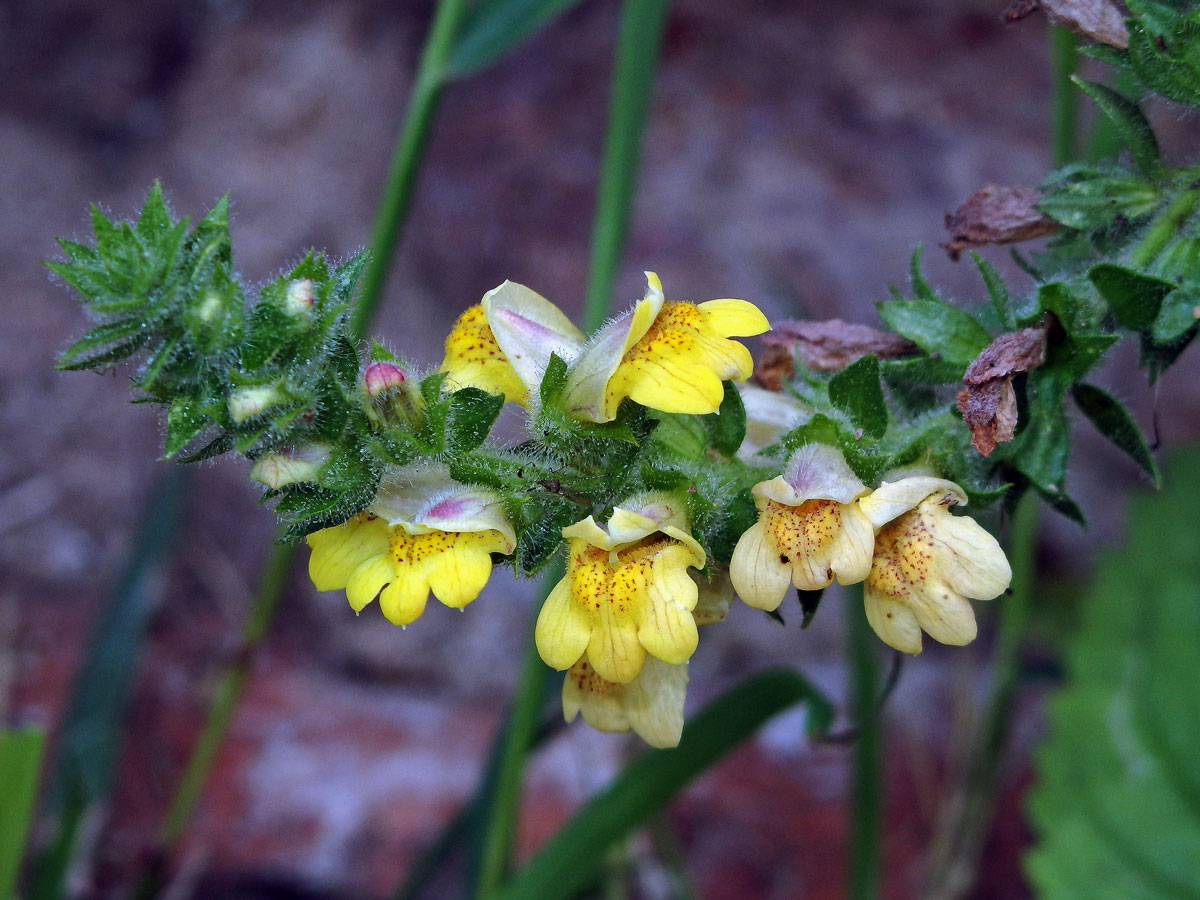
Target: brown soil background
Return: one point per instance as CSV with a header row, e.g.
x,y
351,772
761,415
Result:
x,y
796,151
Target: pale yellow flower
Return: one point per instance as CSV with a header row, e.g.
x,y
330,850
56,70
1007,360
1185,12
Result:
x,y
809,530
928,564
626,594
503,343
665,355
651,705
769,415
426,534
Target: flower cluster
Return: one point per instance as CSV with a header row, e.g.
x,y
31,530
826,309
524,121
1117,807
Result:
x,y
623,621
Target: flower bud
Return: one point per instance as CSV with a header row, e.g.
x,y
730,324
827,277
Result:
x,y
298,299
278,469
246,403
394,398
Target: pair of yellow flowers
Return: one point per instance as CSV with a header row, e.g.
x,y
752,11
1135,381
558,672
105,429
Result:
x,y
623,621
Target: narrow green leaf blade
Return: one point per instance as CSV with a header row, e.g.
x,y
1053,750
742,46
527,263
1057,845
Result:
x,y
1129,122
1113,420
574,856
20,762
495,27
856,391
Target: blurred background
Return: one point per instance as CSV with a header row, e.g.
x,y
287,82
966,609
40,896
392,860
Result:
x,y
794,154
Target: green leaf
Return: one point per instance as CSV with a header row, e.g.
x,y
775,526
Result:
x,y
923,370
997,292
1129,122
1164,47
856,391
1116,806
1113,421
20,763
573,858
470,417
1177,314
187,417
1135,298
941,330
1098,202
726,428
494,27
554,379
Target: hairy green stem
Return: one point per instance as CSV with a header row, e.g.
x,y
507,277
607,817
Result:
x,y
1064,97
867,758
406,159
633,74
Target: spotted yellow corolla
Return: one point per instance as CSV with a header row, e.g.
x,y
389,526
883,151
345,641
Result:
x,y
928,564
503,343
627,592
427,534
809,530
652,704
670,356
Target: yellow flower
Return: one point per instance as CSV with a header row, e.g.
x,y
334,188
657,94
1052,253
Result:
x,y
503,343
809,530
651,704
626,592
430,534
669,356
927,564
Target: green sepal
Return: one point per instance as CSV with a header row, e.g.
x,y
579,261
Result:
x,y
822,429
218,446
1114,421
726,428
1164,47
554,379
1135,298
187,417
810,601
857,391
469,418
540,517
1129,122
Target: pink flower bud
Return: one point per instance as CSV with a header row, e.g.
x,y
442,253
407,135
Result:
x,y
382,376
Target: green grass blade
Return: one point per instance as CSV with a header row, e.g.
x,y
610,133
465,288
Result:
x,y
20,761
636,58
575,856
494,27
81,768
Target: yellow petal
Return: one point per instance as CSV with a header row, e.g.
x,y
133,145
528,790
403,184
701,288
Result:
x,y
667,629
562,630
404,599
338,551
614,649
456,577
894,623
731,318
760,578
474,359
651,704
367,579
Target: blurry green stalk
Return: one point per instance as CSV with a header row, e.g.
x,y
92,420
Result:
x,y
866,761
1064,98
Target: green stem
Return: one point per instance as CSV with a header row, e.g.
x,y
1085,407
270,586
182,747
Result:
x,y
633,74
499,811
867,760
1064,97
962,832
406,159
1167,225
